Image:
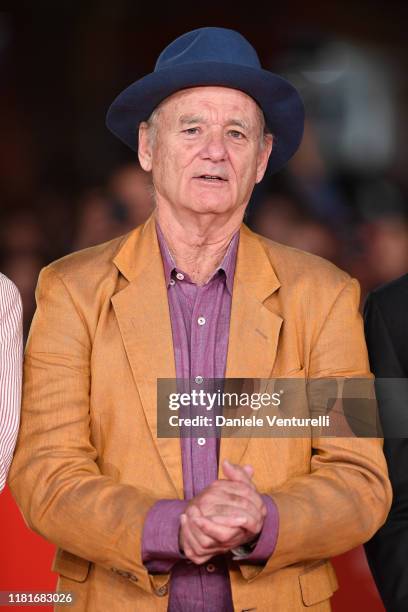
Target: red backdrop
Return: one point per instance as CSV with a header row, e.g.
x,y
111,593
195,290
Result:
x,y
26,560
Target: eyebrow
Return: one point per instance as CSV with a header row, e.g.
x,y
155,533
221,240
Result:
x,y
190,119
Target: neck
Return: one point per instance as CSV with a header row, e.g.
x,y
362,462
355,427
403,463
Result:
x,y
197,243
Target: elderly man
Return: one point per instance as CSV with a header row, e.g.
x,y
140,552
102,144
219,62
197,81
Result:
x,y
144,522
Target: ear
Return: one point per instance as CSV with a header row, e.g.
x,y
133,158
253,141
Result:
x,y
263,157
145,149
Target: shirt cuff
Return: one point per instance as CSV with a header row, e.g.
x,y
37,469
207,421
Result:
x,y
160,538
267,539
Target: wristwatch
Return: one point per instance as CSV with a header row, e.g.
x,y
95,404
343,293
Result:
x,y
244,550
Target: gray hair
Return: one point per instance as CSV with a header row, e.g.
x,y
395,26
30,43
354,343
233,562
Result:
x,y
264,132
152,123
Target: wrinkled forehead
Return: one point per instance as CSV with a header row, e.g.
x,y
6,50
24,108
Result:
x,y
211,102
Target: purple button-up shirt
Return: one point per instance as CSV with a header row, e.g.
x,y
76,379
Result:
x,y
200,317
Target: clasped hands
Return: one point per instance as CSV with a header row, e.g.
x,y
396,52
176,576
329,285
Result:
x,y
228,513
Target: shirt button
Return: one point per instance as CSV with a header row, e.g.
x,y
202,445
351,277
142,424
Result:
x,y
201,441
201,320
210,567
162,591
179,275
172,281
199,380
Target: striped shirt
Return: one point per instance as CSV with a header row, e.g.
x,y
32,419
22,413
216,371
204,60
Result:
x,y
11,357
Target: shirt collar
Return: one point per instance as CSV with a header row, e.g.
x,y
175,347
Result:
x,y
227,265
168,262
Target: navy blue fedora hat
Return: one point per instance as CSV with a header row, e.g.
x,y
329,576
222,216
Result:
x,y
212,56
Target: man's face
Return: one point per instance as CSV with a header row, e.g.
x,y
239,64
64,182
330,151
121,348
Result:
x,y
207,151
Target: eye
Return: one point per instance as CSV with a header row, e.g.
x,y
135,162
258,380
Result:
x,y
236,134
191,131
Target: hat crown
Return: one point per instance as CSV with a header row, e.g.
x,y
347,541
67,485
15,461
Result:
x,y
209,57
209,45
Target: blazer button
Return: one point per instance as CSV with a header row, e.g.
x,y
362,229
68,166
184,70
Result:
x,y
123,574
162,591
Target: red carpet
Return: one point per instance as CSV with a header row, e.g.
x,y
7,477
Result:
x,y
26,560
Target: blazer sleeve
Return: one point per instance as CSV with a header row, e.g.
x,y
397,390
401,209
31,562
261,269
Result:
x,y
55,477
11,348
347,495
387,551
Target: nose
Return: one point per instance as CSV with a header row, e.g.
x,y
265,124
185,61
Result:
x,y
214,148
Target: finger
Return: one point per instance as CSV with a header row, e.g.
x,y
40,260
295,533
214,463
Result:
x,y
253,523
199,560
226,484
188,544
228,538
222,489
222,496
196,540
249,470
192,510
190,553
232,493
230,519
233,511
194,554
200,542
236,537
246,489
237,473
218,532
234,506
219,525
204,543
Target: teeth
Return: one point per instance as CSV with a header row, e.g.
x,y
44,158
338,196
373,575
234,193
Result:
x,y
209,176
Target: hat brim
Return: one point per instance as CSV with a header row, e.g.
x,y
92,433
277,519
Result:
x,y
280,101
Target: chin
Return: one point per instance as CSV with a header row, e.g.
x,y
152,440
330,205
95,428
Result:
x,y
210,206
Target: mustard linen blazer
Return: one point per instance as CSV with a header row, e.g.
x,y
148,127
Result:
x,y
88,464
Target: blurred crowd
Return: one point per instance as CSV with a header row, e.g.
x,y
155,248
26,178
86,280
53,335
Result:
x,y
66,186
359,223
33,236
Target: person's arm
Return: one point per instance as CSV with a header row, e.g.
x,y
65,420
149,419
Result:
x,y
11,346
387,551
160,539
54,477
347,495
262,548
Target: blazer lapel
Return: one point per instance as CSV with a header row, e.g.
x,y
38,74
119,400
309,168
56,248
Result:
x,y
143,316
254,329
